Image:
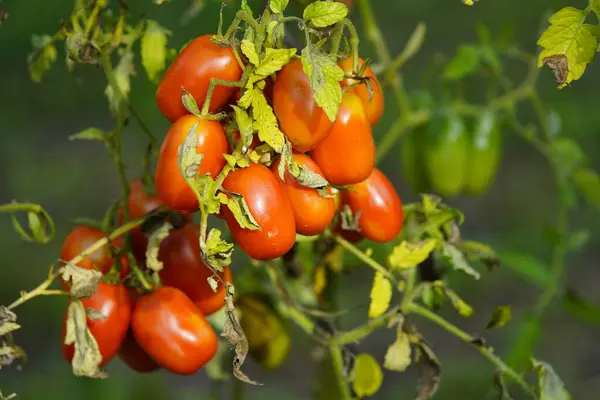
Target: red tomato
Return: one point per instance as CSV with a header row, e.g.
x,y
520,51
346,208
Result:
x,y
374,107
347,155
183,269
212,143
133,355
172,330
80,238
312,212
381,210
270,208
300,118
198,62
114,302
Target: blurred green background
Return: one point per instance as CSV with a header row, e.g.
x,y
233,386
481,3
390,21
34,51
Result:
x,y
71,179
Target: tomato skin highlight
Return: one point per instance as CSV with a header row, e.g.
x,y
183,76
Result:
x,y
212,143
115,303
312,212
135,357
382,215
347,155
373,107
303,122
270,208
196,64
183,269
172,331
79,239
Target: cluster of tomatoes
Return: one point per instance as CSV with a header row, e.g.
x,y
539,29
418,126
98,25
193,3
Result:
x,y
167,327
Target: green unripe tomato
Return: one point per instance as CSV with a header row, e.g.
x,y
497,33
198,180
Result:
x,y
485,149
446,153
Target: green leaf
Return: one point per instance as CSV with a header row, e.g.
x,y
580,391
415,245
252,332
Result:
x,y
324,76
84,282
528,267
272,62
87,357
91,133
595,4
368,375
581,308
278,6
500,317
480,252
381,295
40,224
550,386
154,49
568,45
587,182
409,255
249,51
431,203
397,356
154,241
265,122
122,74
324,13
43,56
465,62
457,260
218,252
238,207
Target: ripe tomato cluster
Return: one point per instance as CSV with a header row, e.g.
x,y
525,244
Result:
x,y
167,326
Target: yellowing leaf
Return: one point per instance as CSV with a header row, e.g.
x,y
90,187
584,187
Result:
x,y
324,76
368,375
409,255
278,6
84,282
154,241
217,252
91,133
397,356
568,44
381,295
246,99
272,62
249,51
87,357
500,317
325,13
154,49
459,304
265,122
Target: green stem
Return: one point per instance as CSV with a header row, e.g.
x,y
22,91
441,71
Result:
x,y
408,292
144,127
337,38
338,368
364,258
361,332
211,87
467,338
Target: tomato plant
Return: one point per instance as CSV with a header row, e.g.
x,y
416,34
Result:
x,y
173,331
199,62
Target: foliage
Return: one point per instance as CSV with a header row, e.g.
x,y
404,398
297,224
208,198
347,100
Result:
x,y
421,257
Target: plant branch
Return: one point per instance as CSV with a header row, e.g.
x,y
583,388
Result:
x,y
357,334
338,368
364,258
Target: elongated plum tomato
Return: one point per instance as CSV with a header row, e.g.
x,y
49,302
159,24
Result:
x,y
381,210
373,106
198,62
347,155
114,302
173,331
80,238
135,357
183,269
270,208
212,144
312,212
300,118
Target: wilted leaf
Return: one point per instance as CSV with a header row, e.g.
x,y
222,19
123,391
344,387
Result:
x,y
154,241
87,357
217,252
568,45
368,375
154,49
84,282
500,317
397,356
480,252
122,74
43,56
324,76
429,371
188,159
11,353
381,295
550,386
212,282
324,13
409,255
457,260
8,321
94,315
238,207
90,133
